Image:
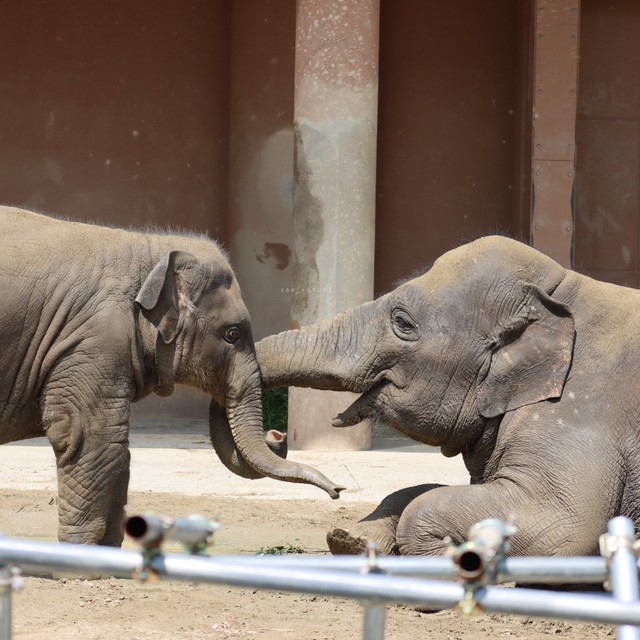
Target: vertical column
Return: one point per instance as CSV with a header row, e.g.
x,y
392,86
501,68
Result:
x,y
554,124
335,129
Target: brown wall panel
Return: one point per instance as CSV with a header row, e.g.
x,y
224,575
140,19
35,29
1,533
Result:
x,y
116,111
608,142
607,196
609,58
449,99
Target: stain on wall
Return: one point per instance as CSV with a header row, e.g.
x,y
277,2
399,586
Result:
x,y
308,231
278,251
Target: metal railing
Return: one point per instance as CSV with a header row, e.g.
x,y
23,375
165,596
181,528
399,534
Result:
x,y
467,577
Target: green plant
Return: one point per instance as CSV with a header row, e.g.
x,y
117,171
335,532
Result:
x,y
275,406
281,549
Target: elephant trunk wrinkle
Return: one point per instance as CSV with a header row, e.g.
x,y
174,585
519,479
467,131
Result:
x,y
327,355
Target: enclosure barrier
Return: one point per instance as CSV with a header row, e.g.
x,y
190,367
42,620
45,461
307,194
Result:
x,y
435,583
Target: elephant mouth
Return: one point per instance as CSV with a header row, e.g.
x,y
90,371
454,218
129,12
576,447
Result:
x,y
374,401
367,406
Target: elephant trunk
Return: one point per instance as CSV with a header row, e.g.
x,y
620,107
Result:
x,y
225,446
328,355
249,451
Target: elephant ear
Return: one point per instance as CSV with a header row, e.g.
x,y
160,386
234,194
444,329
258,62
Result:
x,y
163,297
531,356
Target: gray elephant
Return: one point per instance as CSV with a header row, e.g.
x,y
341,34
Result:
x,y
526,369
95,318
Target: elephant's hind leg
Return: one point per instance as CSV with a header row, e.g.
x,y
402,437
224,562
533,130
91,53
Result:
x,y
378,527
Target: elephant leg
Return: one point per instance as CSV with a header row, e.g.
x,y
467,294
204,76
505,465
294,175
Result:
x,y
378,527
92,458
92,494
547,523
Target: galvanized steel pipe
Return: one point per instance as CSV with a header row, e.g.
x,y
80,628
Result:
x,y
371,589
6,586
624,569
550,570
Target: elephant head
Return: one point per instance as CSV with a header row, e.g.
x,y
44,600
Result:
x,y
199,333
477,335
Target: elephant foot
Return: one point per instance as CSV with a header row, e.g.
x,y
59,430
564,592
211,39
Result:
x,y
354,542
341,542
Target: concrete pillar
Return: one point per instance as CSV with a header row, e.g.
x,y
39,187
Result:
x,y
335,128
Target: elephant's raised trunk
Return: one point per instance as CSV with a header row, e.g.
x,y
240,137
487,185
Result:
x,y
247,450
329,355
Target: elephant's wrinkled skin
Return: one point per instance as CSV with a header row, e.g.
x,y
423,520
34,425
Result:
x,y
497,353
94,318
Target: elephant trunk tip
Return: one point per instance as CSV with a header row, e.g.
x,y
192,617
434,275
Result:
x,y
334,492
331,488
309,475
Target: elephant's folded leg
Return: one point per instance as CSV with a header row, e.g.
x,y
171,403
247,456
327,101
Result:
x,y
378,527
546,523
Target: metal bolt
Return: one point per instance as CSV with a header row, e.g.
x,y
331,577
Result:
x,y
570,174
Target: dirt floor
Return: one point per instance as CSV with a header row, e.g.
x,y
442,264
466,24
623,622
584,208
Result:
x,y
110,608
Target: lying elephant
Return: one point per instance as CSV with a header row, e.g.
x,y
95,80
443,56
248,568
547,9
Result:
x,y
95,318
497,353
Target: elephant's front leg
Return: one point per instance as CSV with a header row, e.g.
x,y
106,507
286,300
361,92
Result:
x,y
92,495
547,523
92,457
379,526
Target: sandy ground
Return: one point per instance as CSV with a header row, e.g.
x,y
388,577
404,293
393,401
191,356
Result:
x,y
179,475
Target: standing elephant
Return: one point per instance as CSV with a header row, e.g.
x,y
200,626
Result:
x,y
95,318
526,369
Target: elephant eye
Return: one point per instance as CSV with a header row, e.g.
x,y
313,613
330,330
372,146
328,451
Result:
x,y
403,325
232,335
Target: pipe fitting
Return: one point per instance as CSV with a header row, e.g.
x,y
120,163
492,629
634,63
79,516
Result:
x,y
476,560
151,531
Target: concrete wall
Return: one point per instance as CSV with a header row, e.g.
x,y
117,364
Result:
x,y
169,113
260,186
116,111
607,244
448,128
